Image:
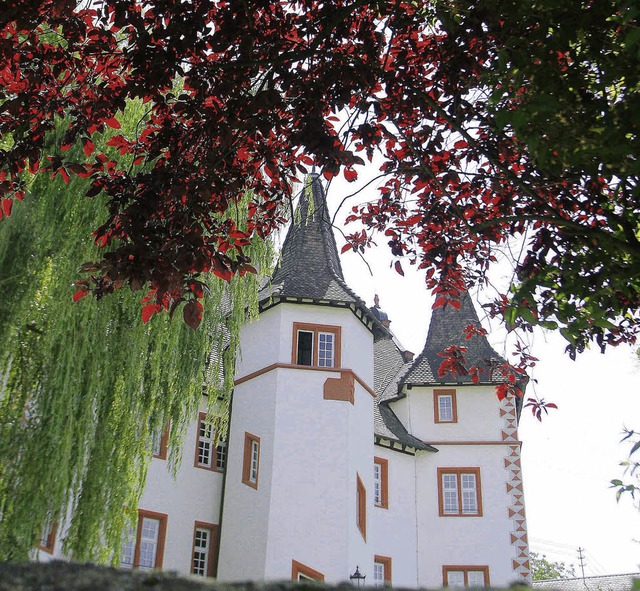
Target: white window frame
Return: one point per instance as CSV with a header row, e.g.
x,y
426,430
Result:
x,y
459,492
206,453
149,537
381,571
460,574
251,460
255,460
142,548
221,456
445,408
447,412
326,344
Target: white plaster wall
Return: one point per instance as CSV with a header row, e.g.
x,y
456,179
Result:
x,y
356,341
261,343
245,520
469,540
269,339
315,449
361,451
193,496
309,506
394,529
478,415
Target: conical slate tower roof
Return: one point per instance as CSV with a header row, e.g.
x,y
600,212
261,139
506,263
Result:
x,y
309,266
447,327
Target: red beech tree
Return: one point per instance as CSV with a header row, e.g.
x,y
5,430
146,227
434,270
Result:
x,y
492,119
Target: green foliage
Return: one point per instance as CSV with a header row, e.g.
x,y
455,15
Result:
x,y
563,79
543,569
83,385
631,468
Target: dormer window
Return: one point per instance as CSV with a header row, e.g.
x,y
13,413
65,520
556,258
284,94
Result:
x,y
316,345
444,406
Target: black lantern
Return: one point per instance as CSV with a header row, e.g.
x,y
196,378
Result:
x,y
358,576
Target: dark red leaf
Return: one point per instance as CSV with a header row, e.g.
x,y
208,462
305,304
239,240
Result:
x,y
113,123
88,147
80,294
149,310
350,174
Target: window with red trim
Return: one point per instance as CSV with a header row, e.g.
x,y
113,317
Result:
x,y
143,545
445,408
211,454
158,443
465,576
381,482
381,571
459,492
302,572
203,553
251,460
48,536
316,345
361,507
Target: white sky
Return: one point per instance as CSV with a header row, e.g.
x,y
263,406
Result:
x,y
569,458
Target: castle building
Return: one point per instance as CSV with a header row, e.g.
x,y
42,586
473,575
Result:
x,y
344,453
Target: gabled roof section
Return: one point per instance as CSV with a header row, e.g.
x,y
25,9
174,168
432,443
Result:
x,y
447,327
309,265
388,370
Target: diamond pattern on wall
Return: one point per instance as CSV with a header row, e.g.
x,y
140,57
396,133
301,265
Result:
x,y
515,511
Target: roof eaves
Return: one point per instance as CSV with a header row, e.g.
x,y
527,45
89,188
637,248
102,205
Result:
x,y
396,445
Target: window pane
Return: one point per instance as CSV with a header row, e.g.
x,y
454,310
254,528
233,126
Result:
x,y
253,473
205,432
221,455
148,542
377,484
201,551
450,494
445,407
305,348
325,349
455,578
475,578
128,548
302,577
156,443
46,532
469,493
378,574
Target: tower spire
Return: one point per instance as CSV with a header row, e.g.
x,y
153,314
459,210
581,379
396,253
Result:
x,y
448,327
309,265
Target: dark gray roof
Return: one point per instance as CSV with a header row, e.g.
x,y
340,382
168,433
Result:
x,y
447,327
309,265
388,369
622,582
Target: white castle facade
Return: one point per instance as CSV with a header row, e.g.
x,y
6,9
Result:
x,y
344,452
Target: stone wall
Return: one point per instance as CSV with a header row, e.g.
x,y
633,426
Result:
x,y
65,576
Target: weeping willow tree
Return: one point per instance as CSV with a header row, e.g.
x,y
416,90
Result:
x,y
85,385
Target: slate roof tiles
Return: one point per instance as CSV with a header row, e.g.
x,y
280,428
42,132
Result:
x,y
447,327
309,265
